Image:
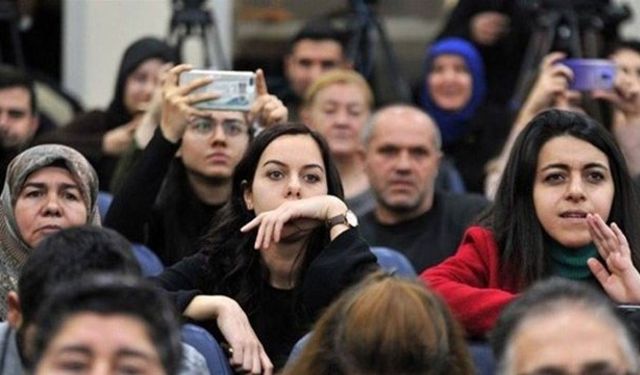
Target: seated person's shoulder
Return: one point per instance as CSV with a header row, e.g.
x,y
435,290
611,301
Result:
x,y
462,209
472,201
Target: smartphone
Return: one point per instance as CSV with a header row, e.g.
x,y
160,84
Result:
x,y
591,74
629,308
237,89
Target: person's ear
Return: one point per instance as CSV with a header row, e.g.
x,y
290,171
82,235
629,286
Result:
x,y
286,65
247,195
14,313
305,115
34,123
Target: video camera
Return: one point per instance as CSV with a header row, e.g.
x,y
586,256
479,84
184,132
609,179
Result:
x,y
599,15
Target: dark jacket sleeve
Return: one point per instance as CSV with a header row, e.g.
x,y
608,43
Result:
x,y
342,263
459,19
125,164
132,206
183,280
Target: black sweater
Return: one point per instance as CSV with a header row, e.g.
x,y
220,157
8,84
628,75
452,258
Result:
x,y
157,207
282,317
430,238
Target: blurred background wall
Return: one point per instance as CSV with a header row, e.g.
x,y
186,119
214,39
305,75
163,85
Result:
x,y
94,33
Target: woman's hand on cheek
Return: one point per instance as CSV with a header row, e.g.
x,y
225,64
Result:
x,y
300,213
620,279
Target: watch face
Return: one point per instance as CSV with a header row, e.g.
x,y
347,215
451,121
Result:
x,y
351,218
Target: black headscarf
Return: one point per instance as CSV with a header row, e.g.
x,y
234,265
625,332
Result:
x,y
137,53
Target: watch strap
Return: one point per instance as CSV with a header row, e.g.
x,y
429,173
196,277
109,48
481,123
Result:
x,y
338,219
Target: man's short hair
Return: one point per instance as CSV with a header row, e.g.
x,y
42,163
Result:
x,y
67,256
339,76
372,122
112,295
318,30
11,77
548,297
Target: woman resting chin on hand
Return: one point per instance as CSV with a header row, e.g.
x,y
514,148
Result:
x,y
279,252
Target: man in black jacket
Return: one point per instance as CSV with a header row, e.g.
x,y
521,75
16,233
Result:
x,y
403,156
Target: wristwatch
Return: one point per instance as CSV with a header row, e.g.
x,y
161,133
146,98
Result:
x,y
348,218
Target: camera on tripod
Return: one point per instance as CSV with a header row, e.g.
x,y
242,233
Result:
x,y
579,28
192,18
572,19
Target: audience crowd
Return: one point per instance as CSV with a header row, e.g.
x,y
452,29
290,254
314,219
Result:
x,y
268,226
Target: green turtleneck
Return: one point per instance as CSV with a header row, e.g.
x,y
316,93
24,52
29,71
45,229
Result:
x,y
570,263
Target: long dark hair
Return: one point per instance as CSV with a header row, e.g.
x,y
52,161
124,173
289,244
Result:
x,y
137,53
513,219
236,269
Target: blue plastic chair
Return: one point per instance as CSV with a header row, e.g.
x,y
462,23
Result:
x,y
483,359
104,201
149,262
394,261
449,178
203,342
298,347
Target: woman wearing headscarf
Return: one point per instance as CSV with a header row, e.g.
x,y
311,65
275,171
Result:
x,y
47,188
102,136
454,94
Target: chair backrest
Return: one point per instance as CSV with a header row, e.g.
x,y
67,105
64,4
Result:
x,y
203,342
393,261
104,201
298,347
449,178
483,359
148,260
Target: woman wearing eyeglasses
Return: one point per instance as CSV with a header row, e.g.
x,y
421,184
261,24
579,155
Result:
x,y
184,174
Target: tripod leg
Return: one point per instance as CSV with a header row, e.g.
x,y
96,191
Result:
x,y
592,46
176,39
368,49
207,51
401,85
355,48
215,52
17,46
575,44
592,43
539,45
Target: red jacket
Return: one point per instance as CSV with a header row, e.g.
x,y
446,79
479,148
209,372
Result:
x,y
470,282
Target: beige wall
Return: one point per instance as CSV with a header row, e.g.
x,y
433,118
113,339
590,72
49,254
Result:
x,y
631,28
96,33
